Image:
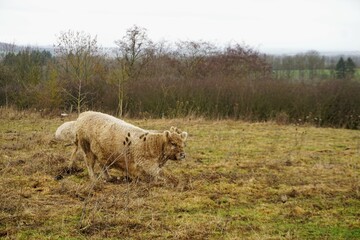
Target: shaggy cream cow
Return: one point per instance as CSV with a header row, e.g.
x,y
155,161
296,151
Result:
x,y
114,143
66,132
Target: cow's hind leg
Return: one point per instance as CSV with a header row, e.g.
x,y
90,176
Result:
x,y
90,163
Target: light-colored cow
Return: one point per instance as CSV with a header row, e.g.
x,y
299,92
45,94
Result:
x,y
114,143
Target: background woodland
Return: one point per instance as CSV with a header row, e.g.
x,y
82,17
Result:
x,y
143,79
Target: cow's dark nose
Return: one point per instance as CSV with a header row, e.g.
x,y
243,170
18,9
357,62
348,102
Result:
x,y
182,155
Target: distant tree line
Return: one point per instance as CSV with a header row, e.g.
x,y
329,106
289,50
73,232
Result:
x,y
345,69
188,79
311,66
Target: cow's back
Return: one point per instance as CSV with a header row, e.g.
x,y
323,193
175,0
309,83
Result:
x,y
101,121
108,136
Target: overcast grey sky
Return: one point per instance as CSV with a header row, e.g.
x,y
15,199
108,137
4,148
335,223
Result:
x,y
299,25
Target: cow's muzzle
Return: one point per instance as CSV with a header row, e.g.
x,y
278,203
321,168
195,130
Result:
x,y
180,156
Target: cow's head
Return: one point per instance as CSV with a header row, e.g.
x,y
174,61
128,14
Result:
x,y
174,145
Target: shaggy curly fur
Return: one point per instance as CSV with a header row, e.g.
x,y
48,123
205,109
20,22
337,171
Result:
x,y
114,143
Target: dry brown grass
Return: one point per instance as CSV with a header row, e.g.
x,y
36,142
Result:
x,y
239,181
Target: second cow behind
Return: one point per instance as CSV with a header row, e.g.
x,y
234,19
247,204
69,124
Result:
x,y
114,143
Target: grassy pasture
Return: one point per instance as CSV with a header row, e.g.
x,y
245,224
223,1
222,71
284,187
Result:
x,y
240,181
307,74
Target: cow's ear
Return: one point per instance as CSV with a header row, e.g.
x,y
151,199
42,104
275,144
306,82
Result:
x,y
167,134
184,136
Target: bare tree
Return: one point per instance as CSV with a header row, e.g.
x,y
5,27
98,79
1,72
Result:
x,y
314,63
6,48
133,53
77,53
191,55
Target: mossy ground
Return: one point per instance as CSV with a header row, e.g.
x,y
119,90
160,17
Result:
x,y
239,181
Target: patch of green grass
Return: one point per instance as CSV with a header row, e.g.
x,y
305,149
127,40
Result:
x,y
310,230
308,74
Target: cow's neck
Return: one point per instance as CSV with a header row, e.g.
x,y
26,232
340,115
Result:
x,y
162,158
155,146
